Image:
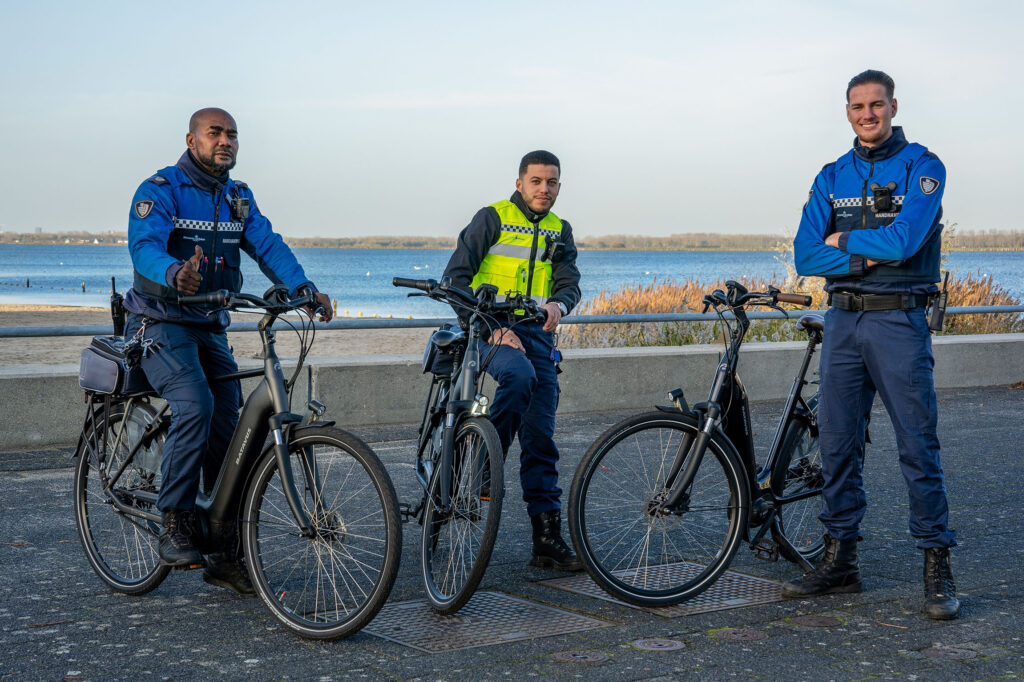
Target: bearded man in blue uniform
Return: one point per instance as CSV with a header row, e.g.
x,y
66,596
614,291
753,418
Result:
x,y
187,227
871,228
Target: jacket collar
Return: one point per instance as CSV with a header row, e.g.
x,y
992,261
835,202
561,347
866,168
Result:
x,y
891,147
517,199
199,176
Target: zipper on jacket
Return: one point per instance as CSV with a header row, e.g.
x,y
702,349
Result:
x,y
864,198
533,257
211,266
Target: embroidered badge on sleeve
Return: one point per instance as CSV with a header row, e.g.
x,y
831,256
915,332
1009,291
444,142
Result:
x,y
142,208
928,185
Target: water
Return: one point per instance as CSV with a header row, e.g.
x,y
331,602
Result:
x,y
361,278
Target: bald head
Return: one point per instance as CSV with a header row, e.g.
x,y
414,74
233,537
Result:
x,y
199,117
213,140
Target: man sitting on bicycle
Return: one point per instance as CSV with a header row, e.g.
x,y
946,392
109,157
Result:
x,y
186,228
521,247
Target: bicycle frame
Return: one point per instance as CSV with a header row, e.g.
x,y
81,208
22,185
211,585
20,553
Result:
x,y
266,411
733,421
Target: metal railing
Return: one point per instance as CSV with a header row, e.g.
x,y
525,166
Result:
x,y
406,323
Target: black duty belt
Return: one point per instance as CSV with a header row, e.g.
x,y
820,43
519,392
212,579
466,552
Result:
x,y
859,302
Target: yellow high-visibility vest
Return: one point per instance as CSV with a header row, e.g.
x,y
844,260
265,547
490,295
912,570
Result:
x,y
513,262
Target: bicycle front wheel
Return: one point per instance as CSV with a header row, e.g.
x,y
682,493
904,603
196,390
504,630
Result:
x,y
647,558
798,480
331,584
458,537
120,547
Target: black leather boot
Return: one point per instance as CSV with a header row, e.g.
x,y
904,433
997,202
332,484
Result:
x,y
940,602
549,549
227,569
836,572
176,548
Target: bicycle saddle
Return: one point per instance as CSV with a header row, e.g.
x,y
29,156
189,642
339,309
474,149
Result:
x,y
815,322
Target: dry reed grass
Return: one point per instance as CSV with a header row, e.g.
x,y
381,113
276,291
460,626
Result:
x,y
671,296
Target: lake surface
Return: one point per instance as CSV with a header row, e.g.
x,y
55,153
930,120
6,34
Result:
x,y
361,278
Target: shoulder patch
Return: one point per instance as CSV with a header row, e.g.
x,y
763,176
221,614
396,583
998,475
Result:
x,y
928,185
159,180
142,208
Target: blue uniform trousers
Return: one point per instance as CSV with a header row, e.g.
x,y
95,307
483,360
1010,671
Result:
x,y
203,414
888,351
524,404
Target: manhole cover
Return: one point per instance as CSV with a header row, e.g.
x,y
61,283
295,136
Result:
x,y
657,644
731,591
488,618
949,653
816,621
585,657
738,635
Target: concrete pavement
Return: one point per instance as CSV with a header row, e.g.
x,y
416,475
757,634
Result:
x,y
57,621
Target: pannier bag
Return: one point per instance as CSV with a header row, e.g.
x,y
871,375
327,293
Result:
x,y
104,369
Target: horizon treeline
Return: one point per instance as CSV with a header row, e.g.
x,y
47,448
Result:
x,y
959,240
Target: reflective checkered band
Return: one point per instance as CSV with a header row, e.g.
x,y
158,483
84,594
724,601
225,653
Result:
x,y
183,224
897,200
529,230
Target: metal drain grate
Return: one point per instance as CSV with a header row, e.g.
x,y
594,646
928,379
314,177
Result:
x,y
731,591
488,618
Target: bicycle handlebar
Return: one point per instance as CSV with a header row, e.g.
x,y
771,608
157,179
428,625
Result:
x,y
219,298
426,285
225,299
443,290
797,299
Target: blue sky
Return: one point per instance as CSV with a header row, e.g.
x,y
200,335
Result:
x,y
406,117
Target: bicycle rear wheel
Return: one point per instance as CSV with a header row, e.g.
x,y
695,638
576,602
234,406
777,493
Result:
x,y
457,542
122,549
798,480
332,584
639,557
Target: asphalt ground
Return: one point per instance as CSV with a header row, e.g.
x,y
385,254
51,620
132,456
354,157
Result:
x,y
57,621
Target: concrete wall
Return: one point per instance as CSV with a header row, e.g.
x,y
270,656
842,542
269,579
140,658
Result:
x,y
41,405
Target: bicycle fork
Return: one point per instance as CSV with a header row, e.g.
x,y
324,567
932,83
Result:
x,y
689,453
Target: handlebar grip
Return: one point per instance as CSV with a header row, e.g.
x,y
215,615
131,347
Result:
x,y
421,284
798,299
219,298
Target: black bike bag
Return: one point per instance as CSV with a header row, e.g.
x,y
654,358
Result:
x,y
104,369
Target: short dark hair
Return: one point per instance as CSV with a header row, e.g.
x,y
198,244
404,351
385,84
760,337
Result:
x,y
872,76
541,157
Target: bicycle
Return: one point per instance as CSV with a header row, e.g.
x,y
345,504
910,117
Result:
x,y
662,500
317,513
459,459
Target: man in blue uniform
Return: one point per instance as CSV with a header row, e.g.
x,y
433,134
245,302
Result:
x,y
521,247
187,226
871,229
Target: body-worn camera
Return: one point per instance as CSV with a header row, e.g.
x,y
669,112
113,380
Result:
x,y
883,197
240,209
553,250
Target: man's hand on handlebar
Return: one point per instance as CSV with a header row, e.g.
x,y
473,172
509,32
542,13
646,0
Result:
x,y
554,316
188,279
323,306
506,337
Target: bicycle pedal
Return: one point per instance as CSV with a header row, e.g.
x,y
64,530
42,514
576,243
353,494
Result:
x,y
766,550
189,567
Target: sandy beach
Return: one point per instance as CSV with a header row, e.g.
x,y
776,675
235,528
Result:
x,y
68,349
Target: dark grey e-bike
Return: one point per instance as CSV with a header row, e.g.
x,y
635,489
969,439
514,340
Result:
x,y
317,513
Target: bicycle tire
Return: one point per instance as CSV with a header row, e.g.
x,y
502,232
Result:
x,y
798,471
122,550
647,560
331,585
456,546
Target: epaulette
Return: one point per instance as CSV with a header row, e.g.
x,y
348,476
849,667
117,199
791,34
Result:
x,y
240,184
159,180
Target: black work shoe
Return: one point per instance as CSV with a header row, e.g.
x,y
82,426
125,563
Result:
x,y
228,572
176,548
549,549
940,602
836,572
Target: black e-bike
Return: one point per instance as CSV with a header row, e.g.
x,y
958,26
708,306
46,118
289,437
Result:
x,y
316,511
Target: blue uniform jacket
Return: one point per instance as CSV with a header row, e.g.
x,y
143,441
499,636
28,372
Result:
x,y
183,206
905,236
